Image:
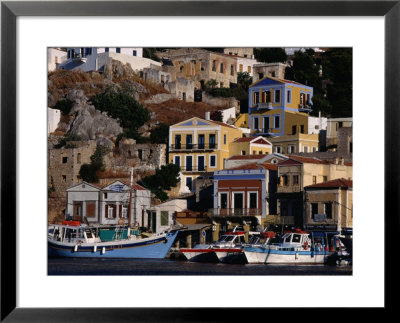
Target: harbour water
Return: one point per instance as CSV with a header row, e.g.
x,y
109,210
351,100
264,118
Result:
x,y
120,267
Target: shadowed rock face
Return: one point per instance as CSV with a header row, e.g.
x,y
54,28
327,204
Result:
x,y
88,122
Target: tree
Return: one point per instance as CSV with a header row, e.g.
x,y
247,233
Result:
x,y
216,115
88,172
244,80
151,53
120,105
164,179
211,84
64,106
270,55
160,134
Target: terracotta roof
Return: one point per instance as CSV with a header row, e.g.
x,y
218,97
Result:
x,y
256,166
237,157
336,183
244,139
312,160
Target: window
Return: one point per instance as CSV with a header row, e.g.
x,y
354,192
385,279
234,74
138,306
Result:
x,y
105,195
260,152
200,163
177,160
243,152
224,139
277,95
266,124
140,153
291,149
211,140
110,211
134,53
278,149
276,122
189,142
213,161
90,209
328,210
314,149
302,128
221,68
314,209
324,178
254,152
314,179
284,180
308,102
164,218
189,163
295,179
249,69
253,200
240,67
177,141
64,178
232,70
214,66
181,69
64,160
255,123
201,141
107,49
118,50
294,130
255,97
78,158
305,149
289,96
260,76
296,238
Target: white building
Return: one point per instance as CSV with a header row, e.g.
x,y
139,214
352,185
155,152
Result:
x,y
316,124
55,56
108,205
53,118
93,59
163,215
246,65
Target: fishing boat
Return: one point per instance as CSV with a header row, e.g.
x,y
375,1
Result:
x,y
294,247
74,239
228,244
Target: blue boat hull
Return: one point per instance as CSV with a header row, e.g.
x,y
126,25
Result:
x,y
153,248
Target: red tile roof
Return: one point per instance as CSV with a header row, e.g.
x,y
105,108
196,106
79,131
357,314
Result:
x,y
244,139
256,166
336,183
238,157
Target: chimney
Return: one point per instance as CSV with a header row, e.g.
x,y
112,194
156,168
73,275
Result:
x,y
341,161
207,115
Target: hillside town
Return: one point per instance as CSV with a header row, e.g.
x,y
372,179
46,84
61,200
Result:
x,y
202,140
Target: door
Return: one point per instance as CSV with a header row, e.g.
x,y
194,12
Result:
x,y
77,211
238,203
201,142
212,141
189,142
200,163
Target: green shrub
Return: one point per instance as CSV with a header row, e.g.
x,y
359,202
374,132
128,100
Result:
x,y
64,106
66,141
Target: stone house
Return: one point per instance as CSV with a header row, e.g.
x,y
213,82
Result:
x,y
163,215
262,70
200,66
329,204
95,204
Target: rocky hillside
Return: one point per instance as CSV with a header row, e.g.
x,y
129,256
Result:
x,y
89,123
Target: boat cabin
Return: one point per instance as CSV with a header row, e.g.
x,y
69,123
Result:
x,y
230,239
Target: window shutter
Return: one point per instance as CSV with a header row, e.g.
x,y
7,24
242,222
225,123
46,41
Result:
x,y
114,211
106,211
120,210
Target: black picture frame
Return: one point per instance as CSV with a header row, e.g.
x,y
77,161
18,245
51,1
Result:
x,y
10,10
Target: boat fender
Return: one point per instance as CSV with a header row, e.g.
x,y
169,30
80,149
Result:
x,y
76,248
94,248
296,255
103,250
305,245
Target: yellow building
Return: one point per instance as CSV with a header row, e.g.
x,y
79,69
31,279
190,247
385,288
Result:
x,y
279,107
297,143
200,146
297,172
250,146
242,121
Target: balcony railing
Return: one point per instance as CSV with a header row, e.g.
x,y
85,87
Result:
x,y
305,107
183,147
235,212
262,106
266,131
193,169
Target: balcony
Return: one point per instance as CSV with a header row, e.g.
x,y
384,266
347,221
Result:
x,y
305,107
235,212
264,131
194,169
193,147
262,106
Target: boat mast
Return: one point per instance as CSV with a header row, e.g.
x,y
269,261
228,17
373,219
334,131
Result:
x,y
130,199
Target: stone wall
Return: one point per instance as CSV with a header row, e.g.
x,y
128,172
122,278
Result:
x,y
223,103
